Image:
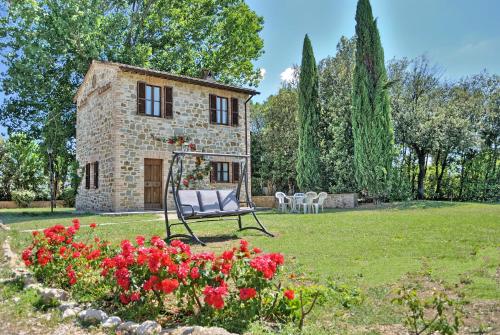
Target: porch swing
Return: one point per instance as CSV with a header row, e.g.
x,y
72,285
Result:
x,y
206,205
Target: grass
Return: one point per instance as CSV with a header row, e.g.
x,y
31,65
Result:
x,y
371,248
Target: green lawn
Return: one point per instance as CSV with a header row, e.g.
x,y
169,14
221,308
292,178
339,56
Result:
x,y
370,248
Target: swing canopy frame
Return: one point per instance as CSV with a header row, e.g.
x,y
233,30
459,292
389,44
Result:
x,y
207,205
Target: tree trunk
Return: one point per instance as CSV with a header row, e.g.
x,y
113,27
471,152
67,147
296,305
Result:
x,y
421,173
439,180
462,176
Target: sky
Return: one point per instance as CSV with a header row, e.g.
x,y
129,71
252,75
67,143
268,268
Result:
x,y
461,36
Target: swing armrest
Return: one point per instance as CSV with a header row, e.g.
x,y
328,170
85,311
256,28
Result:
x,y
191,206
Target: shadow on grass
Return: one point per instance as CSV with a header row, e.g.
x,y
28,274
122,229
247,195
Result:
x,y
30,214
211,239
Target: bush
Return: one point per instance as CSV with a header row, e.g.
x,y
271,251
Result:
x,y
144,279
68,196
23,198
59,258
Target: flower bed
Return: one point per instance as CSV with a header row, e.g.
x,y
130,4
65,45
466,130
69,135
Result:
x,y
148,277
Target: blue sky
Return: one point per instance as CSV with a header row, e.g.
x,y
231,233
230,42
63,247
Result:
x,y
462,36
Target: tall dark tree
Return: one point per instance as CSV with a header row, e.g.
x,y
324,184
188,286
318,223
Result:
x,y
308,158
337,147
371,118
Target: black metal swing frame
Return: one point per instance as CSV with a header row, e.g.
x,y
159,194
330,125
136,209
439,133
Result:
x,y
177,160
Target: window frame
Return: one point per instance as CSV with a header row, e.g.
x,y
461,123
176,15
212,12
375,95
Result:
x,y
96,174
87,176
219,111
221,176
152,101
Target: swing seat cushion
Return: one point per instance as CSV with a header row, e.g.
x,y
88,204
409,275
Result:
x,y
210,203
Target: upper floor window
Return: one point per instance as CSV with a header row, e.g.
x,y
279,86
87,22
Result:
x,y
154,100
219,110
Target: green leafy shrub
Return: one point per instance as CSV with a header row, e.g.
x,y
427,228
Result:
x,y
68,196
23,198
60,258
429,315
148,278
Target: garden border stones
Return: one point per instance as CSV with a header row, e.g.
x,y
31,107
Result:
x,y
90,316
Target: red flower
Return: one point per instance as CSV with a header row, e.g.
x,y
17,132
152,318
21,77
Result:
x,y
170,141
71,275
43,256
267,264
140,240
243,246
169,285
76,224
135,296
195,273
289,294
192,146
257,250
247,293
26,256
124,299
185,182
227,255
93,225
214,296
150,283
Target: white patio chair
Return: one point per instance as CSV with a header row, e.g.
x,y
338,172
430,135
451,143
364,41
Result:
x,y
320,201
308,201
298,201
282,204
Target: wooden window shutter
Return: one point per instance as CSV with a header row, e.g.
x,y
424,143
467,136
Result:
x,y
169,103
96,175
87,176
141,98
213,172
213,108
236,172
234,111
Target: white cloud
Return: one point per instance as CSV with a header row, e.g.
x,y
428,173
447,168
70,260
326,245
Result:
x,y
287,75
262,73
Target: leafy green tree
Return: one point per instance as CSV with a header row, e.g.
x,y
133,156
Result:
x,y
371,119
275,141
337,146
47,46
21,166
308,157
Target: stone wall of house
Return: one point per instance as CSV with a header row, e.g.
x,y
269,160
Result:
x,y
134,134
95,137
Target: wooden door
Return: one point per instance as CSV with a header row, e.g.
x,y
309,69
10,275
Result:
x,y
152,183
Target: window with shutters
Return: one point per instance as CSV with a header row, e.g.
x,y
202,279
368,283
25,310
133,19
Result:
x,y
220,172
87,176
219,113
236,172
148,100
96,175
234,111
169,103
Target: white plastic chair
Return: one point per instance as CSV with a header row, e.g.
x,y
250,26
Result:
x,y
322,196
282,204
308,201
298,200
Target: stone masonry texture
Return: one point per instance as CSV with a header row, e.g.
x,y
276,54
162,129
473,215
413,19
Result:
x,y
108,130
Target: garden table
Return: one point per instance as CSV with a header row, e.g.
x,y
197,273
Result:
x,y
294,201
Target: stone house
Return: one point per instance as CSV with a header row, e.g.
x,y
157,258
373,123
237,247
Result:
x,y
122,113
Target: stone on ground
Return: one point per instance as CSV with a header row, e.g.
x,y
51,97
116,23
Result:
x,y
148,328
127,328
49,295
92,316
111,322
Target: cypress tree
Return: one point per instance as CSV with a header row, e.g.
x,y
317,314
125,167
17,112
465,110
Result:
x,y
371,119
308,158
